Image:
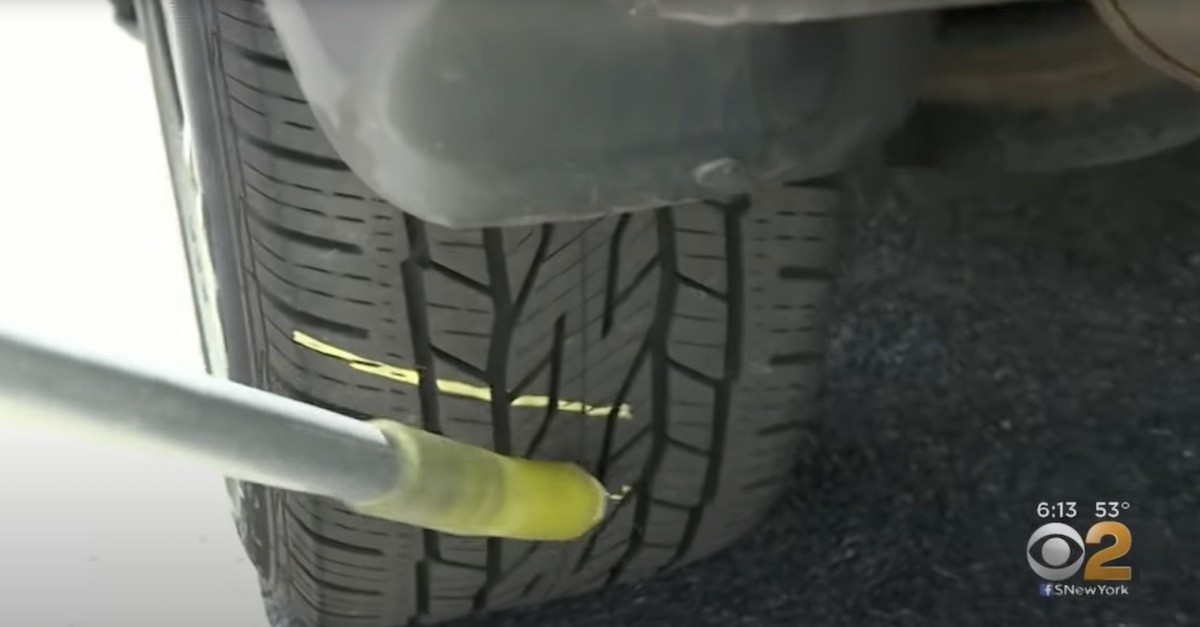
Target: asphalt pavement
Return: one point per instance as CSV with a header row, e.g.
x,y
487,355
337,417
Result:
x,y
1002,342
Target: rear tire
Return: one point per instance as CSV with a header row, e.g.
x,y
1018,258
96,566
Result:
x,y
706,320
1042,87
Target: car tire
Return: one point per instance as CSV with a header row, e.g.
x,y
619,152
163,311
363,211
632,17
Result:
x,y
1043,87
673,352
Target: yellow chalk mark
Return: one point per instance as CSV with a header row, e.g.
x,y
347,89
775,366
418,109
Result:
x,y
454,388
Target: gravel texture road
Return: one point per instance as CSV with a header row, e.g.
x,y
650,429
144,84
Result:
x,y
1001,343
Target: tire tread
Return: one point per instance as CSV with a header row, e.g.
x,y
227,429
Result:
x,y
687,313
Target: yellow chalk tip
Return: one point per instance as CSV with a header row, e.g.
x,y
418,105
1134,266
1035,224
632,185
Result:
x,y
461,489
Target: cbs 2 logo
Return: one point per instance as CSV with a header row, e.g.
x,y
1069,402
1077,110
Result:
x,y
1056,552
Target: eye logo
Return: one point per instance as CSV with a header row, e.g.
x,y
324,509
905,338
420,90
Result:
x,y
1055,551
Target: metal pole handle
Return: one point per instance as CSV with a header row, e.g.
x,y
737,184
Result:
x,y
379,468
238,431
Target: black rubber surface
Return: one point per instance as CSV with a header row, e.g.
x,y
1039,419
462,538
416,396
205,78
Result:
x,y
707,320
1161,116
999,343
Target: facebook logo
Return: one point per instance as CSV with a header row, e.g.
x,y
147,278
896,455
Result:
x,y
1046,589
